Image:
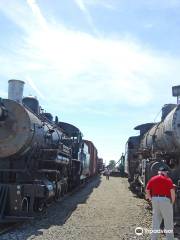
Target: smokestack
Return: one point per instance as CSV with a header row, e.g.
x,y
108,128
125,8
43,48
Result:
x,y
15,90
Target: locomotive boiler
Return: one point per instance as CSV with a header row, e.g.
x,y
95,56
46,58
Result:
x,y
158,144
39,157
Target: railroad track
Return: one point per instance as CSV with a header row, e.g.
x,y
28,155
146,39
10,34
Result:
x,y
7,227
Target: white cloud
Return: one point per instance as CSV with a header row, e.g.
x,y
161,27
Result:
x,y
77,71
34,87
108,4
82,6
80,68
3,94
37,13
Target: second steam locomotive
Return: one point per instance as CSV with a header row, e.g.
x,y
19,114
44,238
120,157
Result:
x,y
40,159
158,144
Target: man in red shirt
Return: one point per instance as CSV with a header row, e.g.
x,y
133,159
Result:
x,y
160,190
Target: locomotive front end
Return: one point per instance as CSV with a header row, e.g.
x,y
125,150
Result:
x,y
15,128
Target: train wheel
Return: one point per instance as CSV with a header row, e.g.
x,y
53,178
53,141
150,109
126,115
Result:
x,y
25,204
40,205
140,194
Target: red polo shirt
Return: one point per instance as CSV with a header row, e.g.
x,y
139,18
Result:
x,y
160,185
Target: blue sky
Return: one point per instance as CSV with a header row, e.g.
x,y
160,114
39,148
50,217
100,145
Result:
x,y
104,66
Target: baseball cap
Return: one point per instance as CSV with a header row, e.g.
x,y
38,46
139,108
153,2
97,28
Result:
x,y
163,168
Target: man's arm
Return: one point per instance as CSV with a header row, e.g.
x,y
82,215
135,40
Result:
x,y
148,194
148,190
173,196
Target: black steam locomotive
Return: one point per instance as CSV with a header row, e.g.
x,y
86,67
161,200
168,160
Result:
x,y
40,159
158,144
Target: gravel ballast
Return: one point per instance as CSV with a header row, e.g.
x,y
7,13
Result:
x,y
101,210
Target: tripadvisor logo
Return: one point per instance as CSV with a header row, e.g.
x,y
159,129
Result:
x,y
139,231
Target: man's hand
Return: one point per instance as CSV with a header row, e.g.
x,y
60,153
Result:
x,y
173,196
148,195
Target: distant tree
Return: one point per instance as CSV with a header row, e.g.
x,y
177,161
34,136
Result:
x,y
112,164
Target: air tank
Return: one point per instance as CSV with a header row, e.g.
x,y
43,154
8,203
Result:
x,y
15,90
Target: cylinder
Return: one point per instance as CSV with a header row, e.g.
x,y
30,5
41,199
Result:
x,y
15,90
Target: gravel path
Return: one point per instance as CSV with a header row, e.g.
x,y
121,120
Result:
x,y
101,210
